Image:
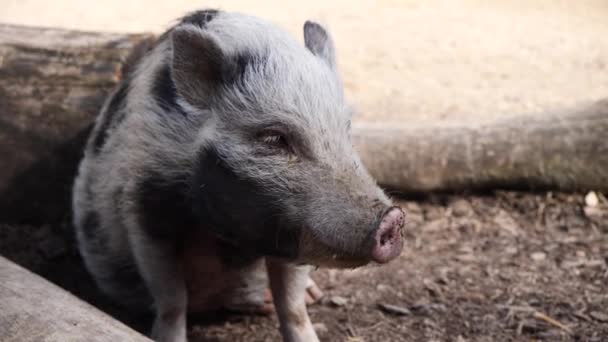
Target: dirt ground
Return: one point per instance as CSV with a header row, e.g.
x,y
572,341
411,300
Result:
x,y
505,266
419,61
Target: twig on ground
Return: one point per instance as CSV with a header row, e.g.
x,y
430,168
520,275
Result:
x,y
551,321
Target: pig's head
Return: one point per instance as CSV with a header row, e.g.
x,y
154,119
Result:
x,y
276,171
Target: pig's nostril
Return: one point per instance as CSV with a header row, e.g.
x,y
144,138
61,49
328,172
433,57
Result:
x,y
388,242
386,237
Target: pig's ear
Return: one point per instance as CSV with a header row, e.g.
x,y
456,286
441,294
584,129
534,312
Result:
x,y
197,64
318,41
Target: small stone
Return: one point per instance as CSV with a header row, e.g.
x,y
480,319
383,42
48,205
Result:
x,y
320,328
433,213
599,316
382,288
412,207
594,213
538,256
332,279
591,199
338,300
461,208
435,225
506,223
466,257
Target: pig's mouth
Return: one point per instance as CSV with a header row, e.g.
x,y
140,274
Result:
x,y
346,261
380,246
335,260
314,251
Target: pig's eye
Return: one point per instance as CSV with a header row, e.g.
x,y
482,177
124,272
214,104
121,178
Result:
x,y
276,141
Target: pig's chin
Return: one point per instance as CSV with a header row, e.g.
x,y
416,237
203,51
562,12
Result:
x,y
312,251
336,261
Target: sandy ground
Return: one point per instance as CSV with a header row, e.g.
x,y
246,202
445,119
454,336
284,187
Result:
x,y
411,61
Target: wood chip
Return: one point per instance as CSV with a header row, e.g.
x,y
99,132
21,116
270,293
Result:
x,y
599,316
394,309
583,263
581,315
593,212
320,328
516,308
538,256
504,221
466,257
355,339
432,287
338,300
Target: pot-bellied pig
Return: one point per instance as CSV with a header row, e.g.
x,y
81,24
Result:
x,y
224,156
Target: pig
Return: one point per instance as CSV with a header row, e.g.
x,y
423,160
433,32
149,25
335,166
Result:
x,y
222,159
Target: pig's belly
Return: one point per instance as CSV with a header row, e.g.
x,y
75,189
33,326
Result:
x,y
214,283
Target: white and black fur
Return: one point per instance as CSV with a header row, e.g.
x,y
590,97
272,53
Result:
x,y
227,127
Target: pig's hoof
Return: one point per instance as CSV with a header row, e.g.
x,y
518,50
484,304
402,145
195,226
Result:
x,y
253,304
254,308
313,292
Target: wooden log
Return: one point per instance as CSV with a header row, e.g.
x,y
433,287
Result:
x,y
563,150
52,84
33,309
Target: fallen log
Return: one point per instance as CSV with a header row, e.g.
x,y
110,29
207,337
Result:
x,y
52,83
557,150
33,309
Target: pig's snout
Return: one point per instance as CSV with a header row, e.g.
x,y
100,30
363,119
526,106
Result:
x,y
388,241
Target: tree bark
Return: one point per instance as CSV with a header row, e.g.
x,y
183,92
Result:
x,y
32,309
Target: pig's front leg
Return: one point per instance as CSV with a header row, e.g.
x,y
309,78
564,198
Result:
x,y
288,284
161,271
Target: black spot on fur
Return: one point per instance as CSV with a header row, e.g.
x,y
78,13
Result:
x,y
90,225
233,76
200,18
241,212
165,207
241,62
112,116
164,91
137,54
